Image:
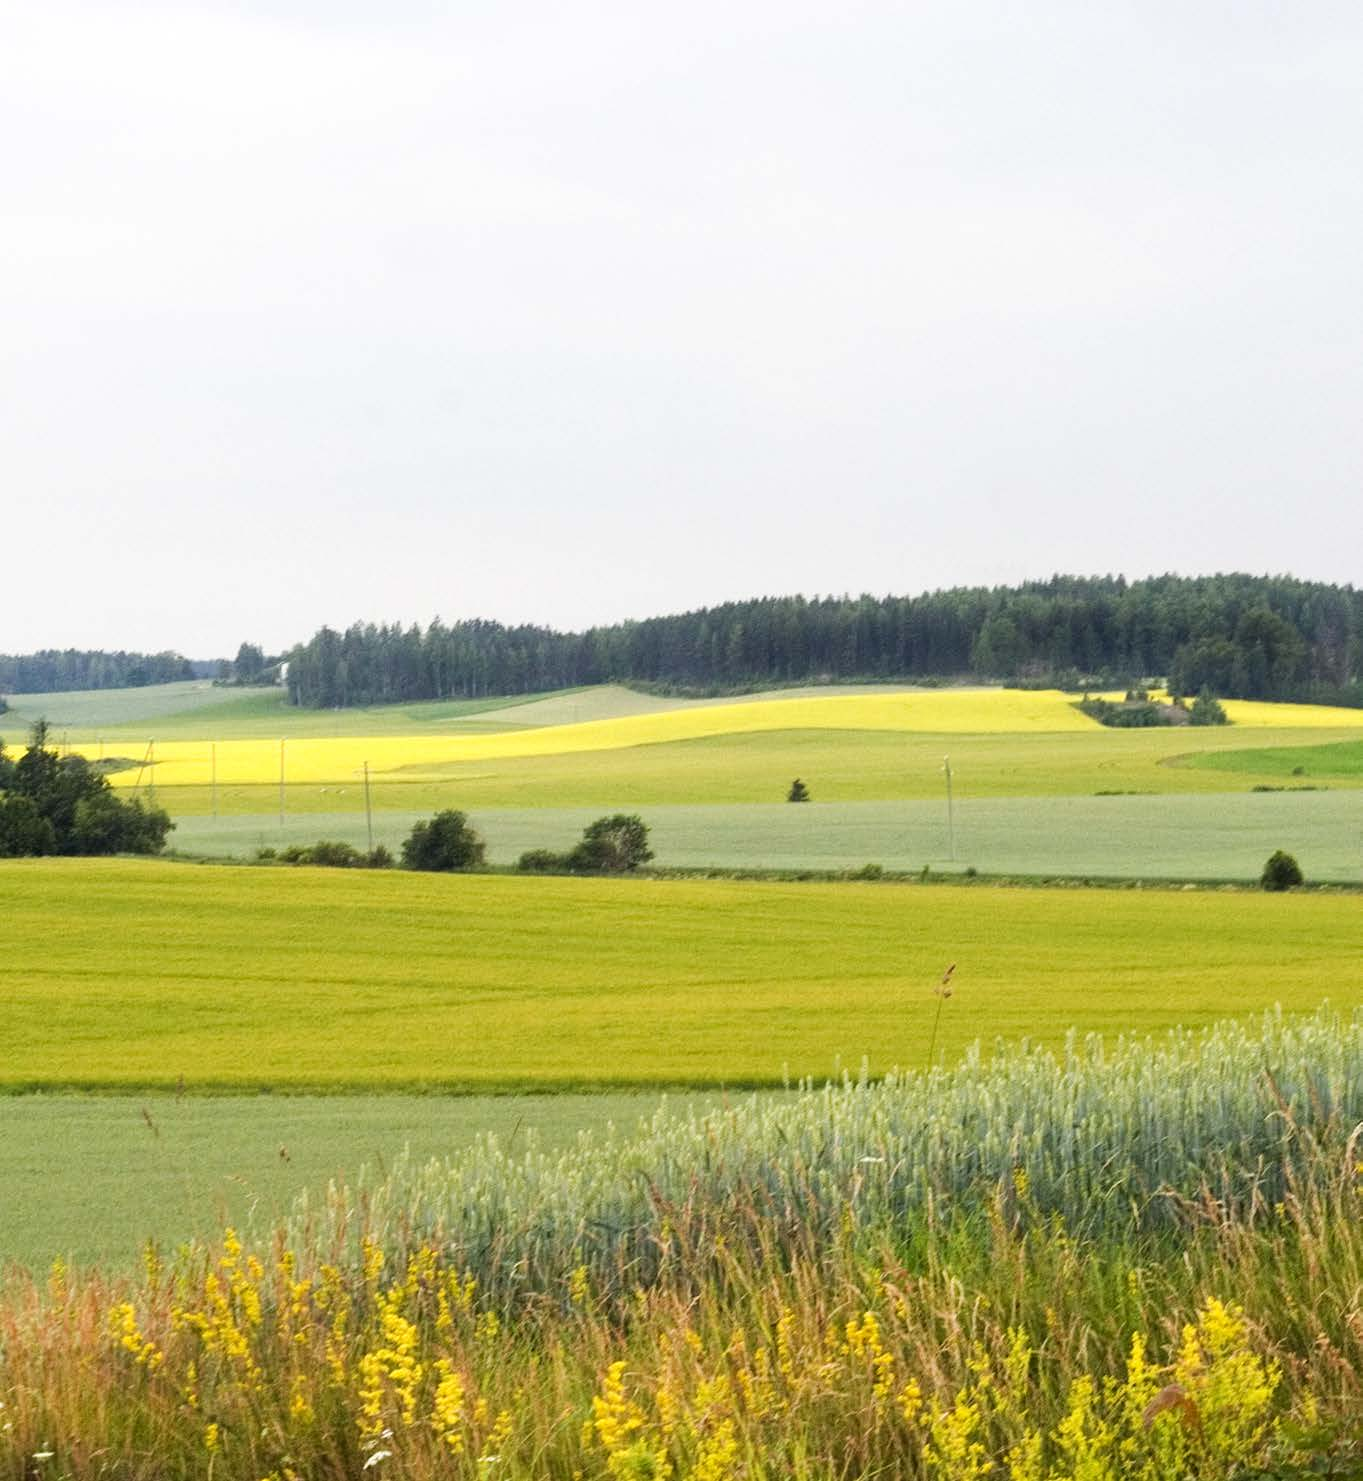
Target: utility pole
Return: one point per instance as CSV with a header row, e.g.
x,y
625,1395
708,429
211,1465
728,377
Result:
x,y
368,810
213,753
146,762
151,774
281,783
951,816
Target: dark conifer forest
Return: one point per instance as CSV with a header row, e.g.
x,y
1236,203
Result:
x,y
54,670
1250,637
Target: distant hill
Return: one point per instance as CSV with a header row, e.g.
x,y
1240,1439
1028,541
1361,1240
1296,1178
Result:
x,y
1247,637
59,670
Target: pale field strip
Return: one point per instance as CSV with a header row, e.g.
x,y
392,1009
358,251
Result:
x,y
341,760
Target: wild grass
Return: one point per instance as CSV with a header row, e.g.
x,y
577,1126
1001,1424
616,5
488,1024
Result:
x,y
1148,1266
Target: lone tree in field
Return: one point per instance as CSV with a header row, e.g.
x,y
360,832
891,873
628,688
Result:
x,y
445,843
1281,872
798,792
612,845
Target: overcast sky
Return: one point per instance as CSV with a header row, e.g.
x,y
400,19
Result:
x,y
317,310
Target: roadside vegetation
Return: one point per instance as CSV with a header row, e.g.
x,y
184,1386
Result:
x,y
1137,1262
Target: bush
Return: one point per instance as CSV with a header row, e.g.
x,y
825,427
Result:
x,y
612,845
103,824
24,831
1281,872
325,854
798,792
1130,715
870,871
1207,710
445,843
541,861
332,855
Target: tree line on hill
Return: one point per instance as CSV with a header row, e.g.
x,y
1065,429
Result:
x,y
1245,637
54,670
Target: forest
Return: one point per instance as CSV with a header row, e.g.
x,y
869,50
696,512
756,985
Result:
x,y
1240,636
55,670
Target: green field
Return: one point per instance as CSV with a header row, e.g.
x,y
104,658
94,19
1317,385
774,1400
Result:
x,y
1340,762
91,1177
1198,837
199,709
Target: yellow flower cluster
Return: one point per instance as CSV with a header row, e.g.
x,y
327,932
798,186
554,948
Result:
x,y
414,1363
390,1372
123,1325
1212,1406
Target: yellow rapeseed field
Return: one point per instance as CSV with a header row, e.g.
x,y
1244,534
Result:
x,y
340,760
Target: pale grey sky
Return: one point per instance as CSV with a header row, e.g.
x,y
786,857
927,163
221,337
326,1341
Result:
x,y
320,309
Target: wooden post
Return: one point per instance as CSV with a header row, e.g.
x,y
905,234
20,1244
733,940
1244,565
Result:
x,y
951,818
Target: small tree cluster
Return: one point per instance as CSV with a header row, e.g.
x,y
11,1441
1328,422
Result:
x,y
445,844
51,804
611,845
